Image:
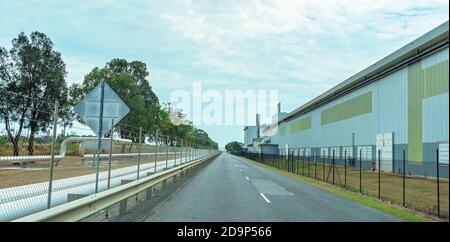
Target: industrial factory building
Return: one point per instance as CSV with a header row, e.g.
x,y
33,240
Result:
x,y
397,106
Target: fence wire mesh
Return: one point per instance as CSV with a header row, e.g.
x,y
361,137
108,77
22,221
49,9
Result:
x,y
422,186
127,153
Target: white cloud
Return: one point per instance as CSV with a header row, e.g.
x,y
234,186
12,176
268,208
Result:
x,y
301,48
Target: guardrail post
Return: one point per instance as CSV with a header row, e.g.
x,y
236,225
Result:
x,y
52,161
175,179
148,193
123,203
164,184
139,152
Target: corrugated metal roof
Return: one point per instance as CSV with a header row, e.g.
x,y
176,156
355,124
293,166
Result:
x,y
426,41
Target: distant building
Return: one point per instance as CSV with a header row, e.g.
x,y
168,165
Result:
x,y
249,135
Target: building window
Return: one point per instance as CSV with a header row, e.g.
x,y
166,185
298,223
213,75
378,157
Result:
x,y
324,153
365,152
336,153
443,153
347,151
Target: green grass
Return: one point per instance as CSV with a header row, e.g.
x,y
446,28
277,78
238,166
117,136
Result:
x,y
402,213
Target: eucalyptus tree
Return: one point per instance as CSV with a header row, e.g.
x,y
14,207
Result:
x,y
32,78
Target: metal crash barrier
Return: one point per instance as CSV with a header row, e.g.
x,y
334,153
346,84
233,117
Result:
x,y
89,205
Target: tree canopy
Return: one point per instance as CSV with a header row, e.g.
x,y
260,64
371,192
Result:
x,y
129,80
32,79
234,146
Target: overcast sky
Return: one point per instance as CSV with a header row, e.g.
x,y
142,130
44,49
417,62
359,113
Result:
x,y
299,48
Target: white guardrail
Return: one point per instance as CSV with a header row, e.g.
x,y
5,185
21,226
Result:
x,y
89,205
19,201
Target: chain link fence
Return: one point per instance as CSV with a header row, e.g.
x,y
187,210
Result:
x,y
50,169
422,186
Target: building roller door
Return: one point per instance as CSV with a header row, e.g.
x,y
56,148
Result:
x,y
385,144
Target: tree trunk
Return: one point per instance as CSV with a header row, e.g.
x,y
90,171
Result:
x,y
14,139
15,143
31,140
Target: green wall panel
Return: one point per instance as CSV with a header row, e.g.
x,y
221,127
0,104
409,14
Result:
x,y
422,83
282,131
300,125
359,105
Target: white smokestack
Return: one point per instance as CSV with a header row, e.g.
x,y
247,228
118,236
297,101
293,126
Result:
x,y
257,126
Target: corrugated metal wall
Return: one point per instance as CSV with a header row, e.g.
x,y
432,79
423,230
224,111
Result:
x,y
389,114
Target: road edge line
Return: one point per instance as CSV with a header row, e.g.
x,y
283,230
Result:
x,y
400,212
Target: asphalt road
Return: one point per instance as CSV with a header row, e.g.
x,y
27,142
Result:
x,y
233,189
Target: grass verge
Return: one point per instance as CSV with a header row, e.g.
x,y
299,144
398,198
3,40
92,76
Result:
x,y
403,213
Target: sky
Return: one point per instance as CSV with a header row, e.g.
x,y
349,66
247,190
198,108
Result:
x,y
298,48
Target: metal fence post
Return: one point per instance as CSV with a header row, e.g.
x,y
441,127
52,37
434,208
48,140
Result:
x,y
185,151
262,157
333,166
307,162
277,157
52,161
437,182
345,168
139,152
181,152
379,174
99,141
273,160
190,151
323,168
156,150
360,171
292,161
110,161
315,164
303,165
193,151
174,150
404,178
110,154
167,151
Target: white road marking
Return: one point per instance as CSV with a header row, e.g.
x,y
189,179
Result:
x,y
246,177
265,198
